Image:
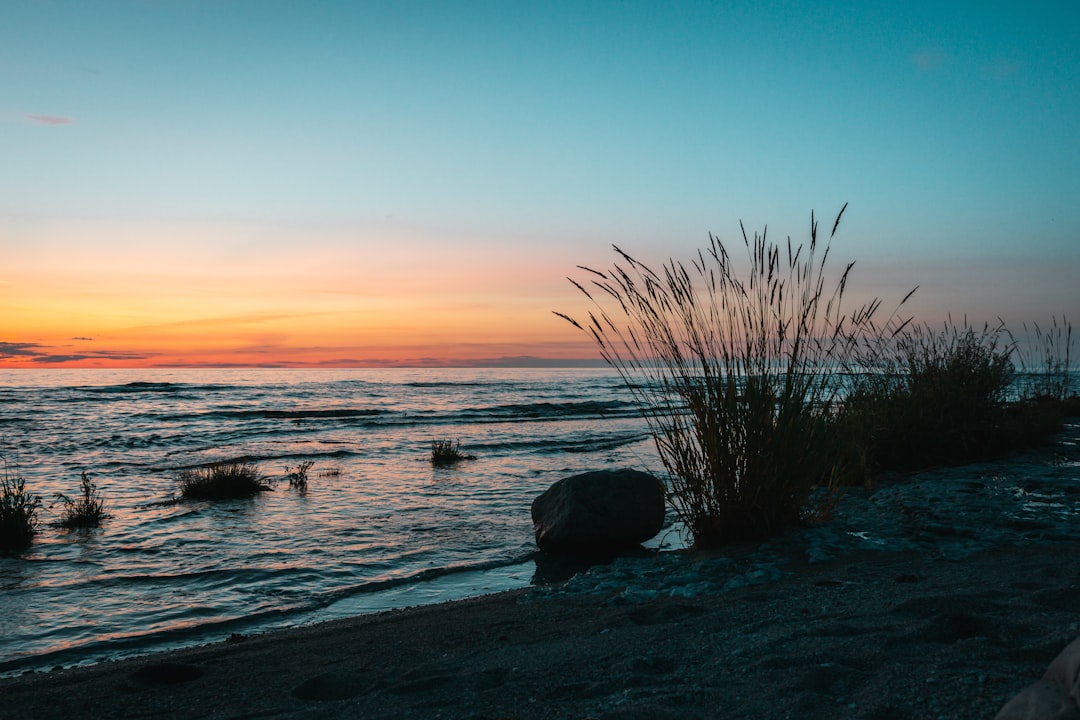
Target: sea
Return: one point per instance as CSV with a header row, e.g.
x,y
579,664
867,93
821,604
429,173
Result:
x,y
378,527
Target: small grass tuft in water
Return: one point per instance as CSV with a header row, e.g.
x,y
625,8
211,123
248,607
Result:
x,y
221,481
18,511
85,511
298,478
447,452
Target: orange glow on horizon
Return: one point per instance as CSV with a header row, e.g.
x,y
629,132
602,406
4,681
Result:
x,y
95,294
128,305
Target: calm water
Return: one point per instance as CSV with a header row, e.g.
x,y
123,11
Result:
x,y
379,527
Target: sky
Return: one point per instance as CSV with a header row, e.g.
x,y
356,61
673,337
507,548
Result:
x,y
227,182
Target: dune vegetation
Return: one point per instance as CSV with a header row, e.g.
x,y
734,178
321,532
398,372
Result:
x,y
765,395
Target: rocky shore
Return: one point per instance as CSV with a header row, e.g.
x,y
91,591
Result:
x,y
941,596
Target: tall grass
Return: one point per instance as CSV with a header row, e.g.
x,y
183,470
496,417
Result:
x,y
737,374
938,396
18,510
1046,361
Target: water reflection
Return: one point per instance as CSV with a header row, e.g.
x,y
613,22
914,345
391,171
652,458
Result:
x,y
380,515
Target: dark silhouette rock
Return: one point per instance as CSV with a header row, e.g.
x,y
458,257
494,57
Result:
x,y
599,512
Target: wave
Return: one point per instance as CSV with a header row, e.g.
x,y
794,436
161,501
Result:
x,y
140,386
327,598
260,458
130,442
542,411
588,443
450,383
336,413
559,410
306,414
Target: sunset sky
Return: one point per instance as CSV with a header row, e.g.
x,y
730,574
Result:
x,y
188,182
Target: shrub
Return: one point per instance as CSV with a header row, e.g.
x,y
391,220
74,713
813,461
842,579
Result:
x,y
298,478
87,511
940,398
738,377
221,481
18,511
447,452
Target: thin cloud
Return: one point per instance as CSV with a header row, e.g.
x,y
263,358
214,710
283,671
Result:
x,y
43,355
48,119
531,361
56,359
10,350
87,339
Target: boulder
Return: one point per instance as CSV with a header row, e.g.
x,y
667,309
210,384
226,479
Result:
x,y
1043,700
1055,697
599,512
1065,671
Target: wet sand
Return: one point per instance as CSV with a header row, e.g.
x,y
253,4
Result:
x,y
877,635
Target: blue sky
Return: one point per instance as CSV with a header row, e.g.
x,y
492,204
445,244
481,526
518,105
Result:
x,y
540,133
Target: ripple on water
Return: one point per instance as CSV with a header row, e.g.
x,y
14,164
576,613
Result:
x,y
382,522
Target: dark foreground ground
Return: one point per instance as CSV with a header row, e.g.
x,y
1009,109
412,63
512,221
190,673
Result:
x,y
888,636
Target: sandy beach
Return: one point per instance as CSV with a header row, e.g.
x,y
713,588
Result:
x,y
872,635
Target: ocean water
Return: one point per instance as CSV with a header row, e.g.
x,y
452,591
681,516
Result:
x,y
379,526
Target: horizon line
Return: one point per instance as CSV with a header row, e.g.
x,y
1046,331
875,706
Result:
x,y
524,362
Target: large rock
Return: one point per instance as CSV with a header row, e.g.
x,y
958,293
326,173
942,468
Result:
x,y
1055,697
599,512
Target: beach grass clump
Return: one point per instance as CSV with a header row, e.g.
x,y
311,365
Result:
x,y
221,481
447,452
18,511
739,375
1045,385
85,511
298,477
1046,362
941,398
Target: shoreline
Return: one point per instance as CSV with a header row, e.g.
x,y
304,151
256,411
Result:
x,y
445,587
871,635
942,594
